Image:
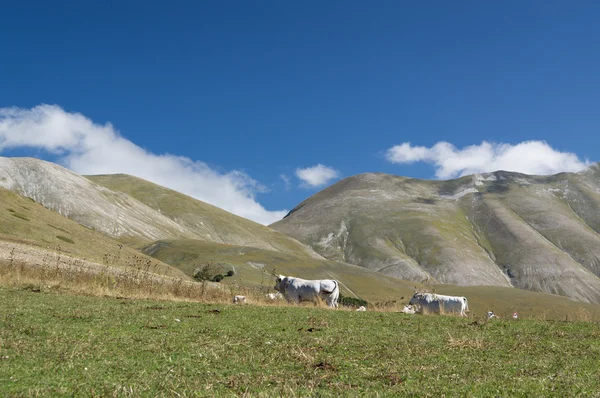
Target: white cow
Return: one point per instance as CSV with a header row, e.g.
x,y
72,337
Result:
x,y
361,308
437,303
275,296
296,289
239,300
408,309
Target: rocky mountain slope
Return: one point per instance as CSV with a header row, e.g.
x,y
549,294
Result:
x,y
204,221
134,210
506,229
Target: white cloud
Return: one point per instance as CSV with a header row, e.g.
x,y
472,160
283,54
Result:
x,y
89,148
528,157
317,176
286,181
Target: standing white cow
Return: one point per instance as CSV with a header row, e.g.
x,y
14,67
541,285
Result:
x,y
297,289
439,303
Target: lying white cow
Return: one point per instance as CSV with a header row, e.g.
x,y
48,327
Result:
x,y
408,309
439,303
239,300
491,315
361,308
275,296
296,289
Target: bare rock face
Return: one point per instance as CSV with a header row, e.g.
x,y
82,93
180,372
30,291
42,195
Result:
x,y
507,229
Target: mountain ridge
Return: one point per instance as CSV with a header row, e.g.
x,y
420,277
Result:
x,y
115,210
501,228
540,233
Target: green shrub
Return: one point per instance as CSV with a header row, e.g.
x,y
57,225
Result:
x,y
352,301
212,272
203,272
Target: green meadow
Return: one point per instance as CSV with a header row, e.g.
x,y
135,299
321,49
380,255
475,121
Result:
x,y
60,344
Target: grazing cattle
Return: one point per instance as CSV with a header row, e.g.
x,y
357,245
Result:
x,y
275,296
439,303
515,315
361,308
239,300
297,289
408,309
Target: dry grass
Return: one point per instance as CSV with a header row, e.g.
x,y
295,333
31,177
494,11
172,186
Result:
x,y
140,281
104,280
82,277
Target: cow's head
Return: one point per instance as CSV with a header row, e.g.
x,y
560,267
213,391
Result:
x,y
280,283
415,298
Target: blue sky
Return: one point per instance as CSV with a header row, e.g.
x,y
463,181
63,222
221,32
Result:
x,y
220,99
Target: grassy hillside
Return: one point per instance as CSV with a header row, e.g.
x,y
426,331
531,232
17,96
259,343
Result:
x,y
67,345
208,222
502,229
135,211
22,220
398,226
255,267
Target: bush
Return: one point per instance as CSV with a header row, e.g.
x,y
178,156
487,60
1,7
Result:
x,y
352,301
203,272
212,272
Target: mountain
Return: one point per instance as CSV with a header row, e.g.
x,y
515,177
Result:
x,y
136,211
89,204
501,229
26,222
52,206
538,233
205,222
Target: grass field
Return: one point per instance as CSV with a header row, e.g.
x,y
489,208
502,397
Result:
x,y
60,344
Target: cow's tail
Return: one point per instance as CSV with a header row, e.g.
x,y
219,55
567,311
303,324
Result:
x,y
334,294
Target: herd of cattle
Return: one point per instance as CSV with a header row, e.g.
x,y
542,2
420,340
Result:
x,y
296,290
